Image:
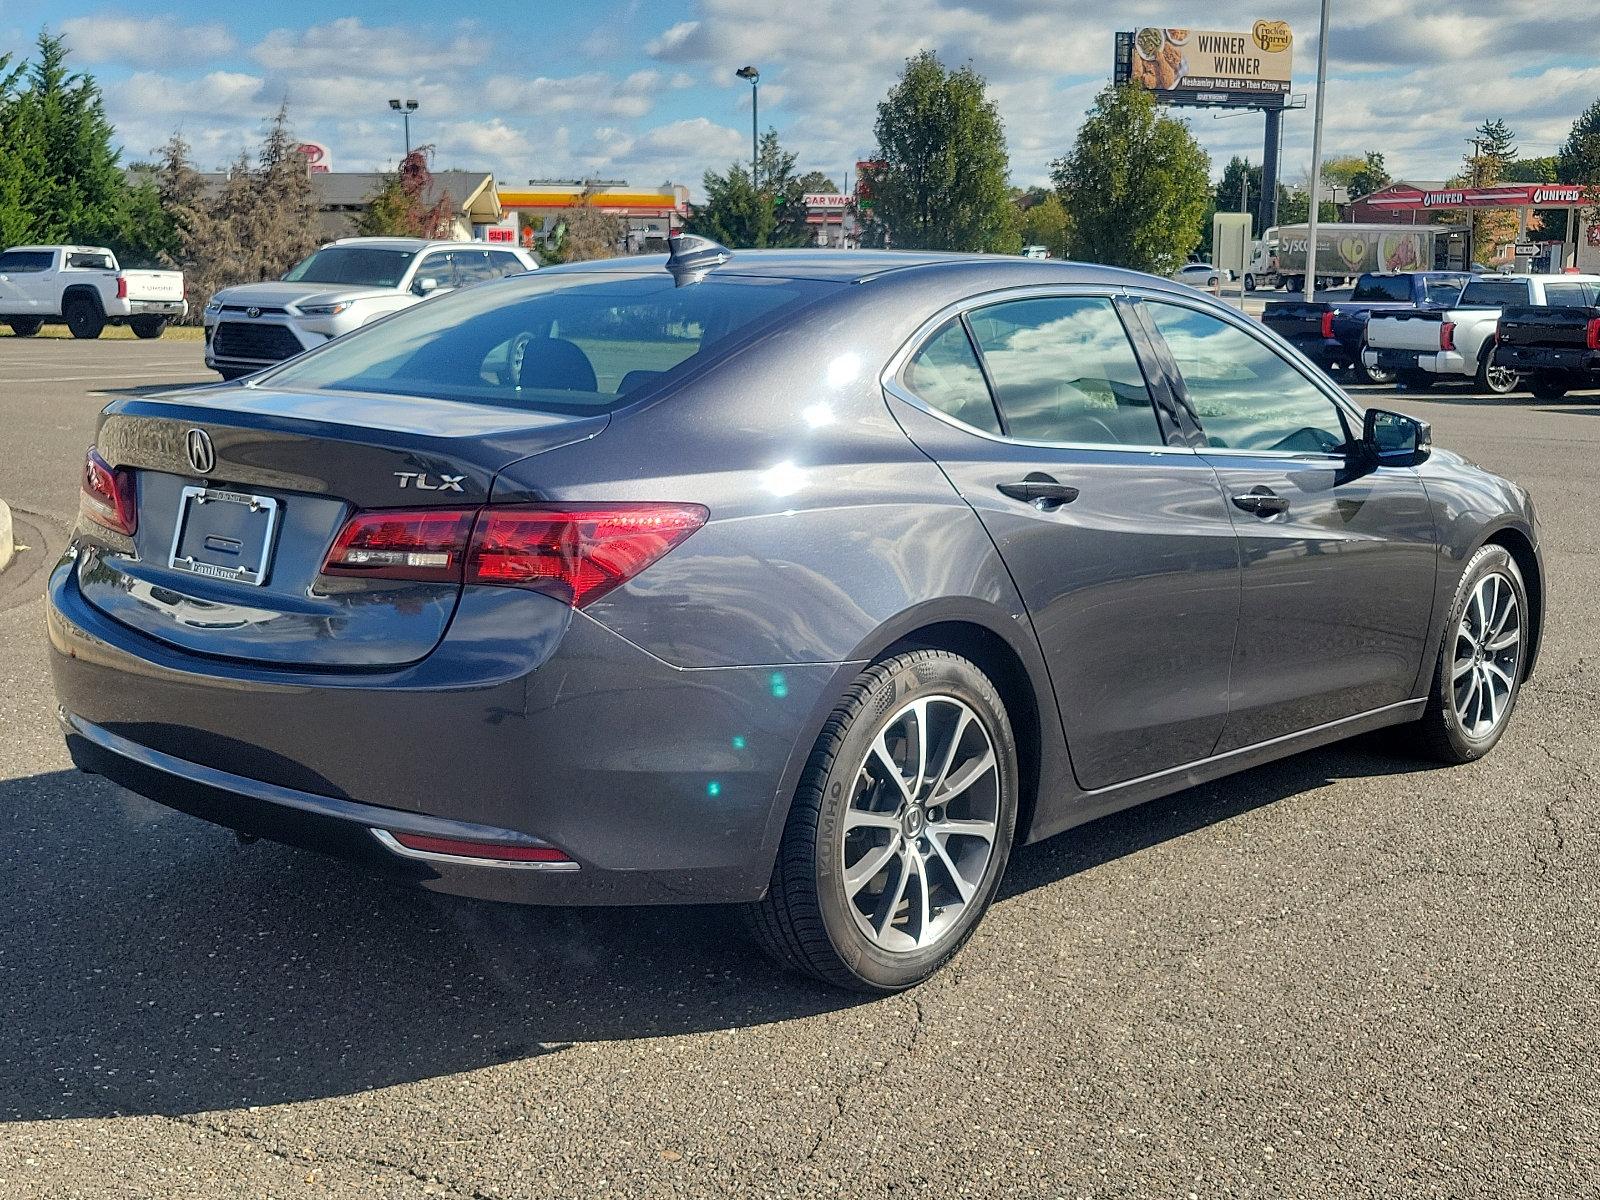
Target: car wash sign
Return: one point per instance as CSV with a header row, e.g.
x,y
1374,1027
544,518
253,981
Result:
x,y
1504,195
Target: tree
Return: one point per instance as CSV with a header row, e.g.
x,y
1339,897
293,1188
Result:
x,y
1578,160
1045,223
942,182
583,232
1494,230
399,207
1294,208
1136,184
769,211
1372,177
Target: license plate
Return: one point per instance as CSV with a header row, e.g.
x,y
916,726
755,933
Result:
x,y
1403,360
224,535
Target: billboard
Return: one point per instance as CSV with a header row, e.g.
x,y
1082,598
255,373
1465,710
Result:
x,y
1210,67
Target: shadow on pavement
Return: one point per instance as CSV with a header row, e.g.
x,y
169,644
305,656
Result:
x,y
150,965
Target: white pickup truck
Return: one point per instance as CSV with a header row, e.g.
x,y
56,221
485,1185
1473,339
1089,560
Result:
x,y
1422,346
84,287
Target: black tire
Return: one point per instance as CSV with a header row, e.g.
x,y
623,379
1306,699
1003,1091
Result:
x,y
1414,381
25,326
1497,381
1549,385
807,921
83,316
1440,733
148,327
1368,374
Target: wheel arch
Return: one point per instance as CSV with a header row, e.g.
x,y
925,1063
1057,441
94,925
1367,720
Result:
x,y
85,291
1519,545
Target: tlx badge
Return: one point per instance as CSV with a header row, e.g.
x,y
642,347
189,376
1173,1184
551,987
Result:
x,y
419,480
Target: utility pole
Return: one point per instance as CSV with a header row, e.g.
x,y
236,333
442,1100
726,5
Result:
x,y
754,76
1316,156
405,109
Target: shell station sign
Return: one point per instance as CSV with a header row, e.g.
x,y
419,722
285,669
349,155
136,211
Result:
x,y
1210,67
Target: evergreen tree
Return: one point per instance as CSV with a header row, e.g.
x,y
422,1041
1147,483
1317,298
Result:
x,y
770,211
942,183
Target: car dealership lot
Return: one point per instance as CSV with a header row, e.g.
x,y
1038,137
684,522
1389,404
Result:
x,y
1340,974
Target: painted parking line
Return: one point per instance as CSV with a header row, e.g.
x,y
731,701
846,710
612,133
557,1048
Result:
x,y
101,377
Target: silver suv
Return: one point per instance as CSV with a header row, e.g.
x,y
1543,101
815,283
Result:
x,y
343,286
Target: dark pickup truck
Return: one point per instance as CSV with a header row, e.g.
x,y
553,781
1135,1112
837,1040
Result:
x,y
1557,348
1332,335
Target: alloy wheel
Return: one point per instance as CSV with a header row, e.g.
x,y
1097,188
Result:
x,y
1500,380
919,831
1487,655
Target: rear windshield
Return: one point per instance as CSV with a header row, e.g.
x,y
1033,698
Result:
x,y
366,266
1494,293
1442,291
1382,287
557,342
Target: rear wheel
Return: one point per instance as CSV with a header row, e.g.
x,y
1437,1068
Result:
x,y
900,829
1550,385
1495,379
1479,674
83,316
1414,381
148,327
25,326
1371,374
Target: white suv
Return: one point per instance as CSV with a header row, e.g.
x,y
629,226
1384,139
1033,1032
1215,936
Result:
x,y
341,287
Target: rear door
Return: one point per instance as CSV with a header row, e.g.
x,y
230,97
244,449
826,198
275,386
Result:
x,y
27,284
1338,561
1115,532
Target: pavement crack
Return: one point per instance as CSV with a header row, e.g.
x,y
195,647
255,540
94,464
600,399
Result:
x,y
1547,853
877,1070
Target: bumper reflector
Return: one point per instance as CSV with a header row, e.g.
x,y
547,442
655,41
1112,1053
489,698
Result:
x,y
438,847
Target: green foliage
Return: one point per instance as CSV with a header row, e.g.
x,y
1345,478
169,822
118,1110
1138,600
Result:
x,y
1045,223
767,212
942,185
1373,177
399,207
1137,185
1294,208
583,233
1578,160
1537,169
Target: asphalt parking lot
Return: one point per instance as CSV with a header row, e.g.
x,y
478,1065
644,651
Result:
x,y
1346,974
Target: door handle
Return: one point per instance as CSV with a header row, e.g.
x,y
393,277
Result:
x,y
1261,502
1040,490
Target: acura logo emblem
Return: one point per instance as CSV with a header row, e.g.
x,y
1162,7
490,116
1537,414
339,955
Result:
x,y
252,312
202,457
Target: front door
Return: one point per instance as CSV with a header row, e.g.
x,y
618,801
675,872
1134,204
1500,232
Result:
x,y
1338,557
1118,540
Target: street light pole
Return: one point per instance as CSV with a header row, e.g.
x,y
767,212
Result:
x,y
1316,156
754,76
405,109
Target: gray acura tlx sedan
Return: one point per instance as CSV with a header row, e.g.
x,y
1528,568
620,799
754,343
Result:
x,y
810,581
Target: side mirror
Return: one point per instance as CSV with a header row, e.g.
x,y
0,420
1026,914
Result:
x,y
425,285
1392,439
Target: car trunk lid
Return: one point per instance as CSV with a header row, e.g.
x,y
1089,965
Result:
x,y
1562,327
1413,330
158,286
242,491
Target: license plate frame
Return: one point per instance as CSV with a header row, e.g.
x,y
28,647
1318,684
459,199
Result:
x,y
255,555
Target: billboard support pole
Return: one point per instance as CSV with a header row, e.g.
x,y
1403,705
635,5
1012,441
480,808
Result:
x,y
1267,205
1316,155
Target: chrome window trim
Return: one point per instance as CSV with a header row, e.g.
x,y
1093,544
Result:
x,y
892,383
387,840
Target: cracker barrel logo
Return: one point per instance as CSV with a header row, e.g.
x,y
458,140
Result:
x,y
1272,36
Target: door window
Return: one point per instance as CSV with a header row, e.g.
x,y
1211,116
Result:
x,y
470,266
1245,395
25,262
506,263
1568,295
945,374
435,267
1064,371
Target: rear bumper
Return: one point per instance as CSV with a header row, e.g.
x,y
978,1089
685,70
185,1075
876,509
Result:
x,y
157,308
1567,360
664,785
1436,362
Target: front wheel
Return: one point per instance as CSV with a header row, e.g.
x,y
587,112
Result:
x,y
148,327
900,829
25,326
1479,674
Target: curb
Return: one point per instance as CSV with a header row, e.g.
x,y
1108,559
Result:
x,y
6,546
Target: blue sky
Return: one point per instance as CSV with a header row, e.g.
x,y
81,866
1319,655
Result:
x,y
645,91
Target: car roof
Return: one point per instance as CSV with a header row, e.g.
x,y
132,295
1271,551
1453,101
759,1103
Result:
x,y
398,243
860,266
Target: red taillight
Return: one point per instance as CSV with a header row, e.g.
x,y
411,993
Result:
x,y
1327,324
1591,334
461,848
575,552
1447,335
427,545
107,497
122,288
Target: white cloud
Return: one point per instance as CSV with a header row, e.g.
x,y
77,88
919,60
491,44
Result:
x,y
145,41
150,94
347,44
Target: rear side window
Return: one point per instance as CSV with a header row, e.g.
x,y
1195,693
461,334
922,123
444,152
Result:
x,y
1442,291
1567,295
89,262
1494,293
945,373
1382,287
506,263
552,341
470,266
1064,371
